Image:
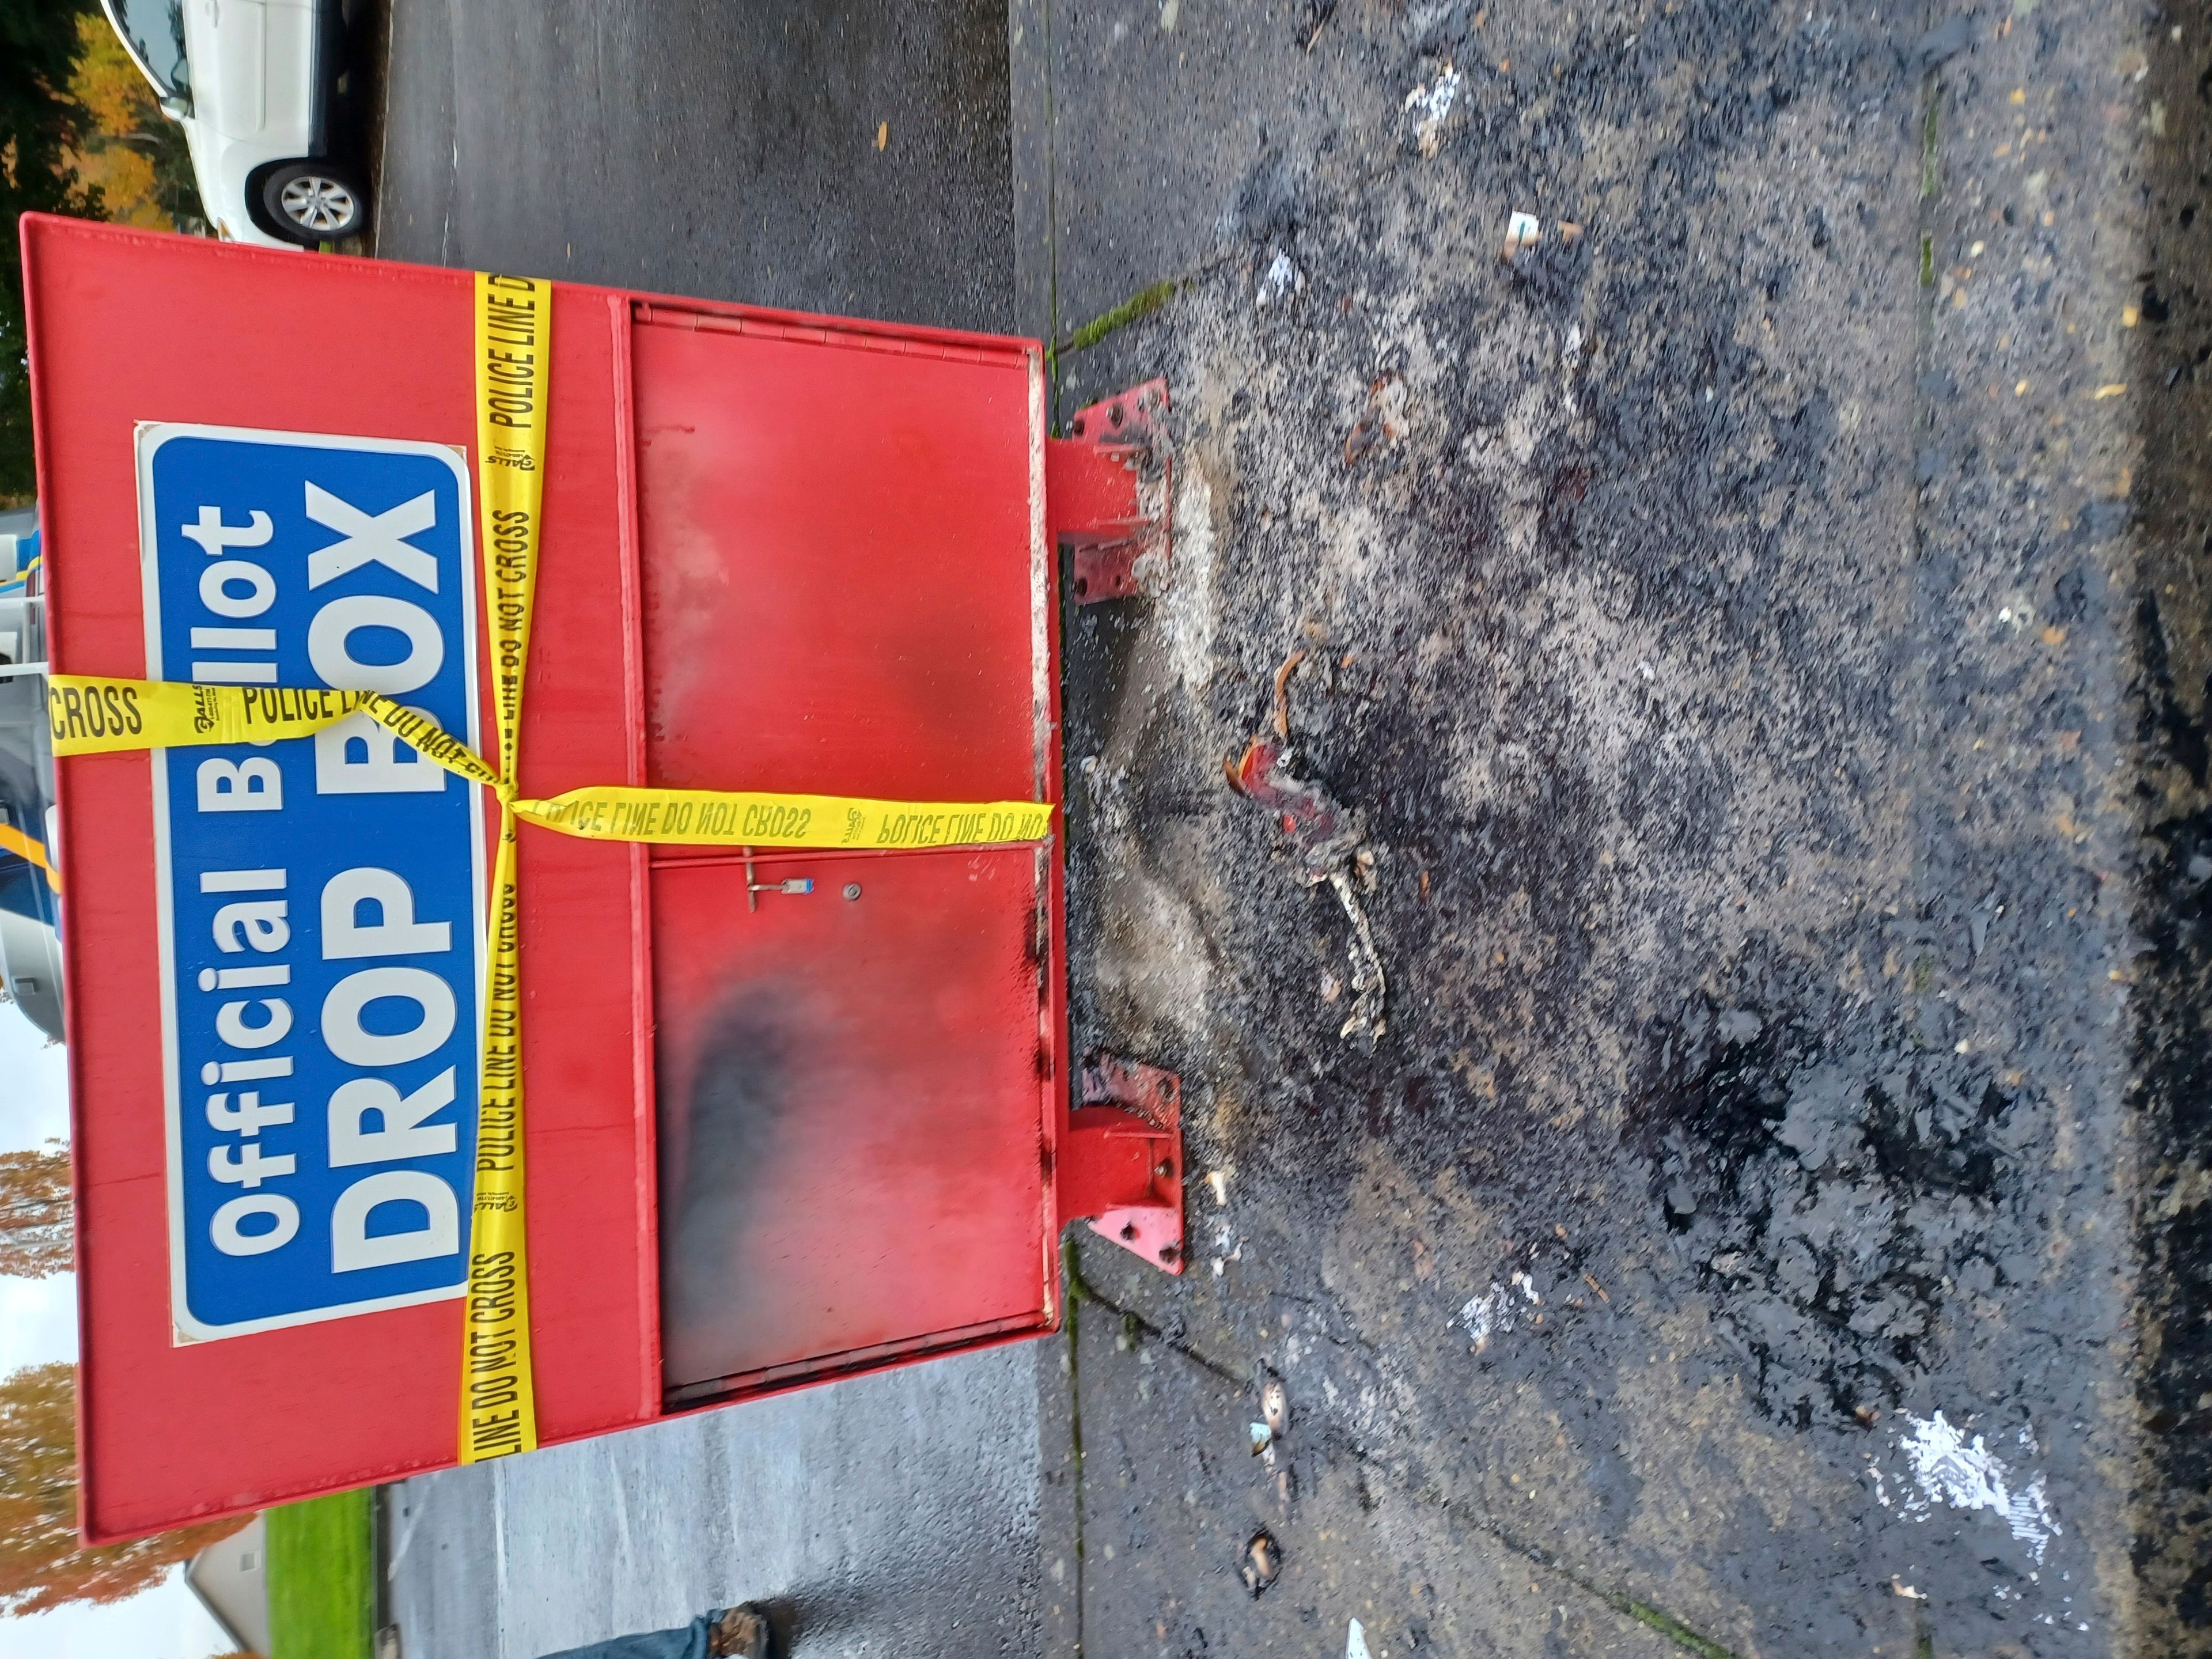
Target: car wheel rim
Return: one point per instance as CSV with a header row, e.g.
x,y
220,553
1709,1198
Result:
x,y
317,204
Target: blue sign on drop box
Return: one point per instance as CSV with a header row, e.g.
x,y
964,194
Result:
x,y
321,899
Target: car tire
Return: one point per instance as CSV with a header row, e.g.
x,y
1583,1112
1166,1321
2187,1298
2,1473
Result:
x,y
312,202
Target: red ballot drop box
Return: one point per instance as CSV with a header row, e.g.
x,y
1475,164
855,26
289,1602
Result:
x,y
790,1116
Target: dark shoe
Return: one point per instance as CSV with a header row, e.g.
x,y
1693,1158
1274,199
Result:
x,y
743,1632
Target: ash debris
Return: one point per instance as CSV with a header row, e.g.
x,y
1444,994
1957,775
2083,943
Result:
x,y
1847,1197
1331,845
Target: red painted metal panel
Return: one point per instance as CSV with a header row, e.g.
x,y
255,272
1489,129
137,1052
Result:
x,y
129,327
840,594
851,1093
888,629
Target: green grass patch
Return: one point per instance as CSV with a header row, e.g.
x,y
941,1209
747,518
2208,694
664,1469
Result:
x,y
322,1578
1672,1629
1136,308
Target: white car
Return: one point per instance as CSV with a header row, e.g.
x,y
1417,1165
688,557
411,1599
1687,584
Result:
x,y
252,83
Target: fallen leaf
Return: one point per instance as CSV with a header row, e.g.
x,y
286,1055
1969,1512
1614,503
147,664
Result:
x,y
1263,1561
1367,432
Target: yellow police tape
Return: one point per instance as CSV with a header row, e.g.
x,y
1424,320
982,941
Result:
x,y
92,715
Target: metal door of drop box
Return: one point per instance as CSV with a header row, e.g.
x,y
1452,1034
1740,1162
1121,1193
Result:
x,y
772,1136
845,590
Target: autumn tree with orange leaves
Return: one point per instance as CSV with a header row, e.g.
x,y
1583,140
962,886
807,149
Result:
x,y
35,1214
40,1565
81,133
127,154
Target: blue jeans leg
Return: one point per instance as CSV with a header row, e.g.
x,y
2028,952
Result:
x,y
689,1642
